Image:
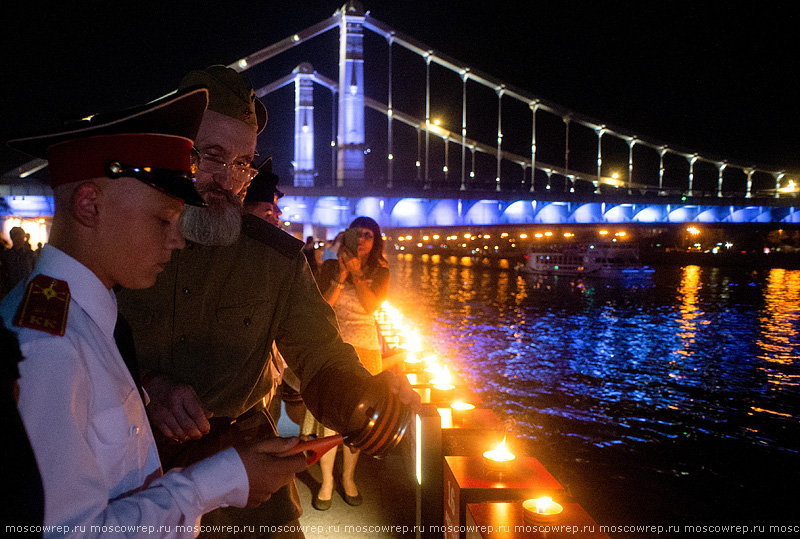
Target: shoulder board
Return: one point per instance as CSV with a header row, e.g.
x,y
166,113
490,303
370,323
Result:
x,y
268,234
44,306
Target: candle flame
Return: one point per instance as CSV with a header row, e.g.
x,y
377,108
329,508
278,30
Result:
x,y
431,359
500,453
458,405
442,377
413,341
542,504
412,358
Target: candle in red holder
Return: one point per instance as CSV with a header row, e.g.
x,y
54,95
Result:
x,y
541,510
461,412
498,459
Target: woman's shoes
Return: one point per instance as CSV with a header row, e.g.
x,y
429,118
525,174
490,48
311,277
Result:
x,y
321,505
324,505
353,500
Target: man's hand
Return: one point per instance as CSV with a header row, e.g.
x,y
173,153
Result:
x,y
267,472
175,410
400,386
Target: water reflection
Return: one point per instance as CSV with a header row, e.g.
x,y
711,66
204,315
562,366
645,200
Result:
x,y
660,386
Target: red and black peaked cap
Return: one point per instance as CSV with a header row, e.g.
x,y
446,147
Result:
x,y
152,143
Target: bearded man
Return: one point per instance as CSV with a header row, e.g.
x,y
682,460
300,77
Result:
x,y
205,331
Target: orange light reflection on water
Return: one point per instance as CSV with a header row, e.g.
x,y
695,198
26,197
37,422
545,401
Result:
x,y
688,292
779,327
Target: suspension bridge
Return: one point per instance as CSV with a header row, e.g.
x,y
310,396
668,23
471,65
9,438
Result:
x,y
511,158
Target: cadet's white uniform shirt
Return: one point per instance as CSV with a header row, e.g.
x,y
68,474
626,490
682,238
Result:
x,y
89,430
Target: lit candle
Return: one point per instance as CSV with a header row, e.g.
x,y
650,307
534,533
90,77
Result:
x,y
461,412
443,393
413,342
442,390
498,459
412,363
540,510
433,371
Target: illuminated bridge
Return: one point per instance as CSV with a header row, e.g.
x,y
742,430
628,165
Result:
x,y
437,143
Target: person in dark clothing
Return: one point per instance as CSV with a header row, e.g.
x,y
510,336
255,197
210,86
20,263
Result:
x,y
22,499
311,255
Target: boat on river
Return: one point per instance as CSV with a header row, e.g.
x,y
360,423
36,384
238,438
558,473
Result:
x,y
599,259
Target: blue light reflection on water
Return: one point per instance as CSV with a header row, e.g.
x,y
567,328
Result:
x,y
649,380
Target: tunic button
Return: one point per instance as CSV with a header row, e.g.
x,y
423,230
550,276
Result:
x,y
186,290
182,338
134,430
247,322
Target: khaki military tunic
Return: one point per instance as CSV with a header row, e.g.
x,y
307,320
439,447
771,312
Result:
x,y
211,318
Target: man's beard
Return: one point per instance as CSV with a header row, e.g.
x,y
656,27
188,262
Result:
x,y
217,224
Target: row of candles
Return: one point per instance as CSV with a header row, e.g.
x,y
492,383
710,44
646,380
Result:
x,y
426,367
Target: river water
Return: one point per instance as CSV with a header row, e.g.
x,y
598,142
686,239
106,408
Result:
x,y
673,399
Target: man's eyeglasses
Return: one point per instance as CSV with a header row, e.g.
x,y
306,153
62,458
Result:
x,y
211,164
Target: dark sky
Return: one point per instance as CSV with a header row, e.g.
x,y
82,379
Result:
x,y
721,80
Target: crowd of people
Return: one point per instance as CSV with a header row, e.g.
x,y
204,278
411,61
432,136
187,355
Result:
x,y
165,312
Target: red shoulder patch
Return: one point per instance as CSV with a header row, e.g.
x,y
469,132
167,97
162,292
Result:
x,y
44,306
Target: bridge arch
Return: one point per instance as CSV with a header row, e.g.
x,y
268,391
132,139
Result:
x,y
619,213
444,213
651,214
519,212
587,213
712,214
682,214
411,212
372,207
552,213
483,212
793,216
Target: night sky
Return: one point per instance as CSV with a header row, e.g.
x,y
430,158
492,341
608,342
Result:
x,y
724,83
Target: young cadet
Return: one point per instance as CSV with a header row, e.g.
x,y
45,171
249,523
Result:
x,y
119,185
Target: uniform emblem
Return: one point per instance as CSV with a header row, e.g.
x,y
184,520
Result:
x,y
45,306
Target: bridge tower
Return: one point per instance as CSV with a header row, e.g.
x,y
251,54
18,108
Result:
x,y
304,125
350,136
